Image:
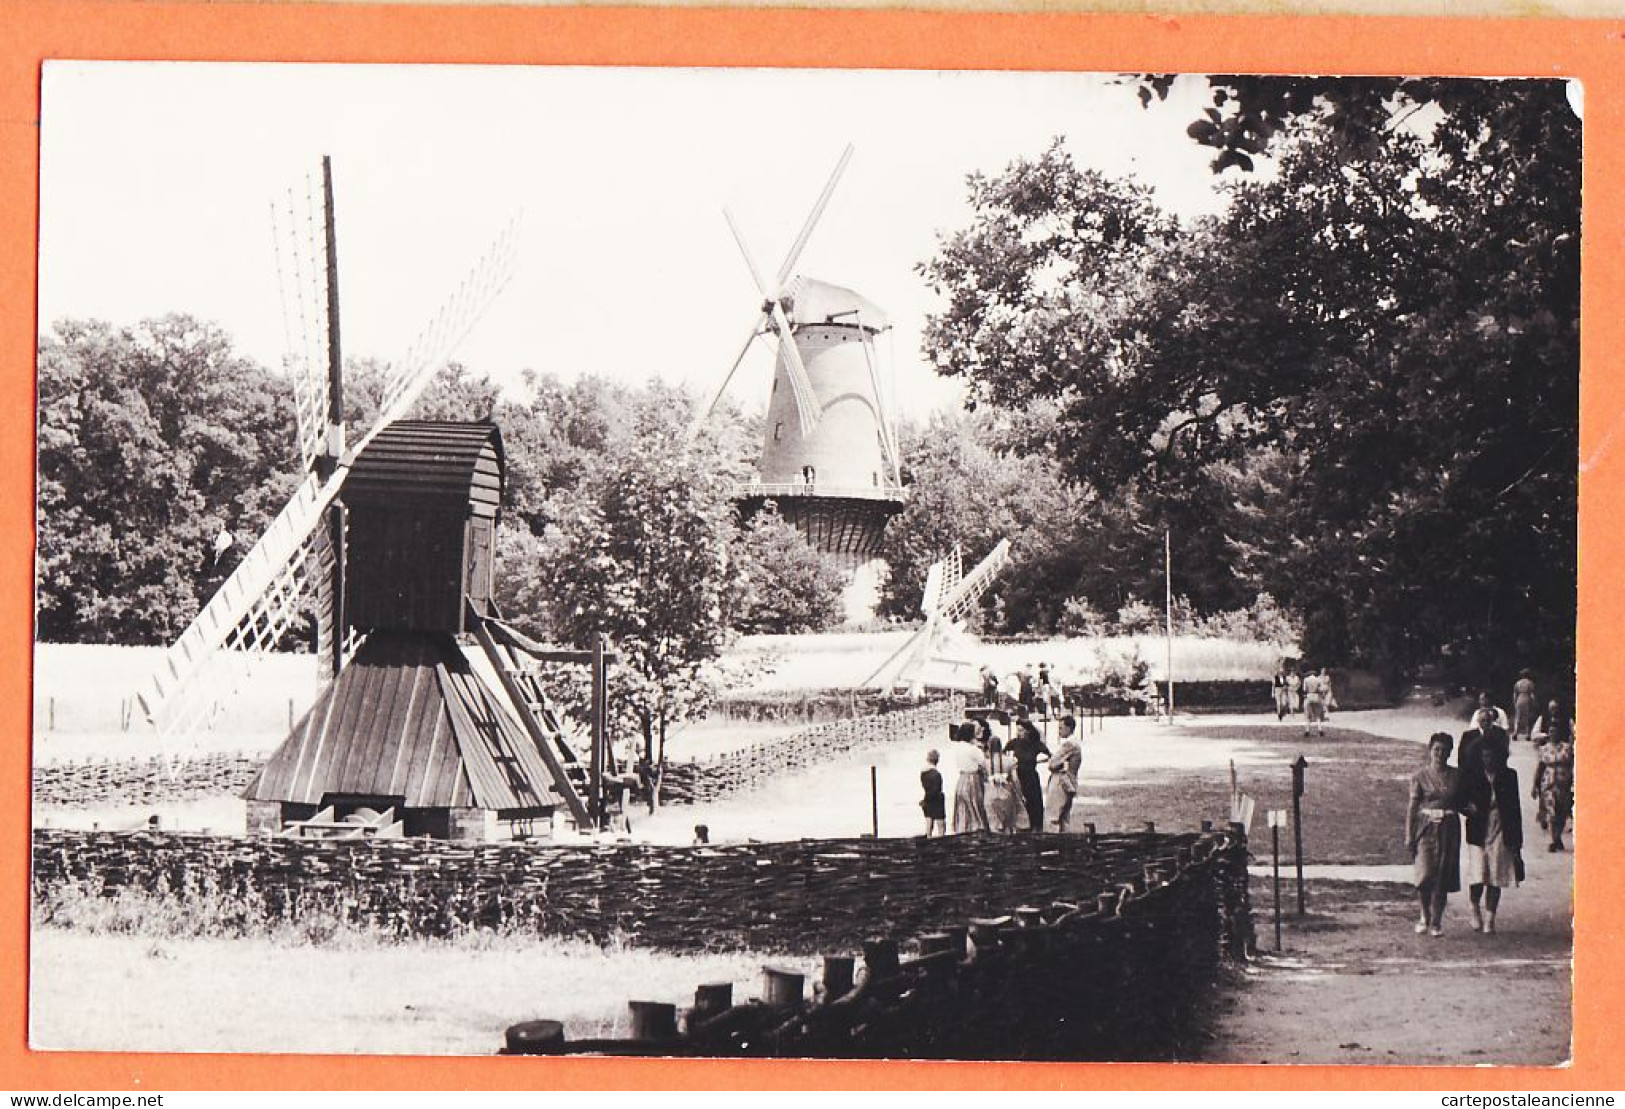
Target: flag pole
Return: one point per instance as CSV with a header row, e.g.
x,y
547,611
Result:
x,y
1168,577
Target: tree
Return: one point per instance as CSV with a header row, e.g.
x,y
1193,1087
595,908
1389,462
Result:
x,y
151,440
1391,321
638,555
969,489
780,584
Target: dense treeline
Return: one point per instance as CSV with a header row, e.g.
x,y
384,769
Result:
x,y
154,438
1356,389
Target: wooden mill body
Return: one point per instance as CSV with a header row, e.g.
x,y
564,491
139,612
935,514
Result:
x,y
408,725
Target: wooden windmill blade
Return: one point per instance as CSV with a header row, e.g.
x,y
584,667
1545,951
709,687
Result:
x,y
406,380
884,427
771,314
959,600
800,385
250,611
794,254
302,283
946,600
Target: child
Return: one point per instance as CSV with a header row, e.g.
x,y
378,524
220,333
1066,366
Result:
x,y
935,802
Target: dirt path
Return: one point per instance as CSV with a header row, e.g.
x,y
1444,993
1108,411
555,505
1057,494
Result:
x,y
1355,984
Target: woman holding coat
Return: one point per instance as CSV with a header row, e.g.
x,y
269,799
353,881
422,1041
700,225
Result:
x,y
1489,798
1062,786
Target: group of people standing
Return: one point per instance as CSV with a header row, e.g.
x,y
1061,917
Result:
x,y
1308,692
1479,799
1037,691
997,784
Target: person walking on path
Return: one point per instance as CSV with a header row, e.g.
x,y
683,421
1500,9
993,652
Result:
x,y
1294,690
1062,786
1025,748
1554,773
1433,833
1523,705
1494,833
934,803
1046,692
1499,715
1283,697
1317,692
1484,733
970,806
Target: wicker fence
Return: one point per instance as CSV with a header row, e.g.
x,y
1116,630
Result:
x,y
751,767
800,896
1126,974
86,783
90,782
1040,947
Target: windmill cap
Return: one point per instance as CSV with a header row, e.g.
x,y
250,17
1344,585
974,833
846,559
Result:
x,y
813,302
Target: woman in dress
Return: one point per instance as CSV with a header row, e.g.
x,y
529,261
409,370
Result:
x,y
1062,786
1554,774
1494,834
1523,705
970,811
1433,833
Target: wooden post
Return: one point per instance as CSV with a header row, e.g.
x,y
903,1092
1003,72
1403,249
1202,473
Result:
x,y
838,976
713,998
874,801
653,1020
327,462
535,1037
880,959
1168,576
781,987
1298,768
1275,855
595,773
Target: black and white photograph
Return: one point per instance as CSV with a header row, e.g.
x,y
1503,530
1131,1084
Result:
x,y
831,564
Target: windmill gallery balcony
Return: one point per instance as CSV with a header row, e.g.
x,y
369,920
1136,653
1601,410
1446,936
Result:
x,y
845,521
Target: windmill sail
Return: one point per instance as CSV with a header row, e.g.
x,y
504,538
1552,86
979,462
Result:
x,y
948,597
250,611
297,229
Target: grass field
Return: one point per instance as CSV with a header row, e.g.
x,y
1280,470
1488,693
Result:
x,y
104,991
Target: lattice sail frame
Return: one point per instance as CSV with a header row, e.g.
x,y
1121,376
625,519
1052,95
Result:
x,y
248,614
298,234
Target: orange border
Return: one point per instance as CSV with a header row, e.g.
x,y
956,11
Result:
x,y
33,30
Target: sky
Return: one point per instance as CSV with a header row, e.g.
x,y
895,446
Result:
x,y
157,181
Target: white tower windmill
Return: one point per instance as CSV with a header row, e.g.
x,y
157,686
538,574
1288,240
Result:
x,y
829,453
